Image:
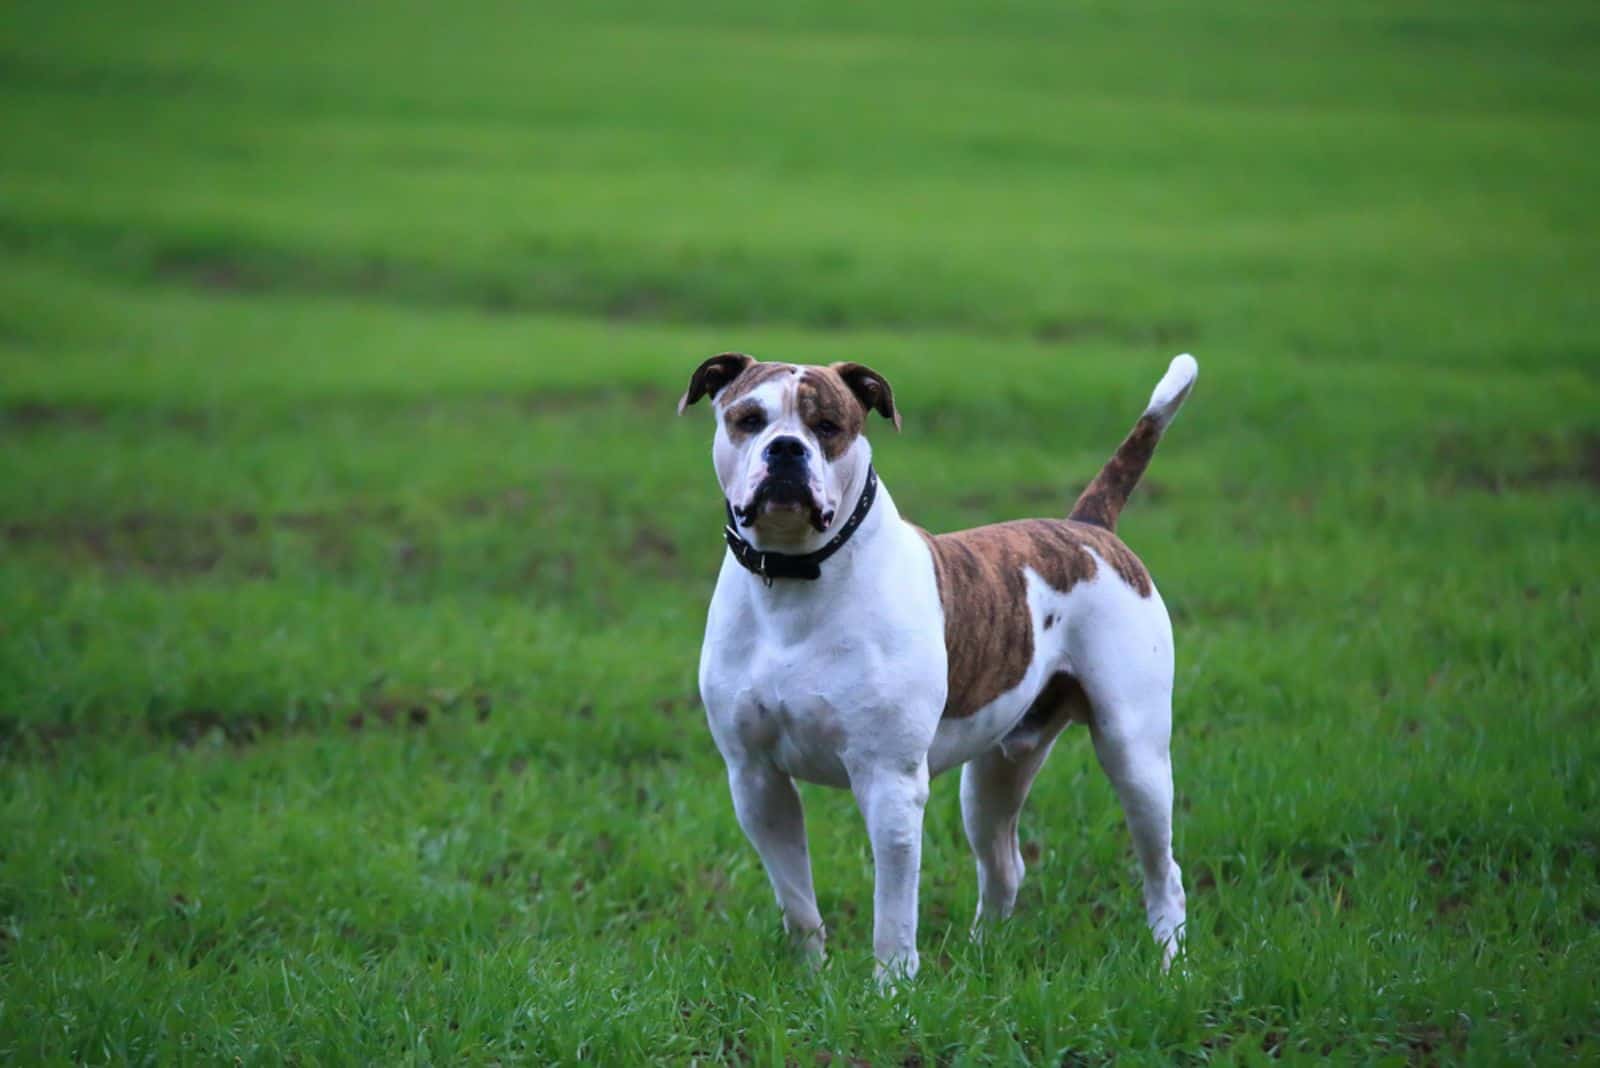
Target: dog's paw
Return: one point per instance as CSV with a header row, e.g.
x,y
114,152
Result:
x,y
890,975
811,947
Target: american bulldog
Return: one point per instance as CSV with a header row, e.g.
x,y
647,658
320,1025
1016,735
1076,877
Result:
x,y
847,647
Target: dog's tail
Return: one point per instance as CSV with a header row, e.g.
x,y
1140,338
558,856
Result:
x,y
1102,500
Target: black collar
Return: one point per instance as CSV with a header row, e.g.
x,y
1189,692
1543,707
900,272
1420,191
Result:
x,y
808,566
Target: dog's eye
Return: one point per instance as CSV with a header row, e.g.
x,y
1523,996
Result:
x,y
827,428
752,422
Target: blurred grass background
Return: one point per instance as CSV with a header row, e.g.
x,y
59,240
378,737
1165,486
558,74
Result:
x,y
353,563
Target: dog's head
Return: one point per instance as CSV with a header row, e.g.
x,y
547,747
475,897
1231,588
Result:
x,y
789,439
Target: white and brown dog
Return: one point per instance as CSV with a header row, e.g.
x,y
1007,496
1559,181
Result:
x,y
847,647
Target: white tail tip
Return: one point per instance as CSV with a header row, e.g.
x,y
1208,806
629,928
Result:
x,y
1172,389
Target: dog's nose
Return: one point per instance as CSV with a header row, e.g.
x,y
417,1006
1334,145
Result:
x,y
784,450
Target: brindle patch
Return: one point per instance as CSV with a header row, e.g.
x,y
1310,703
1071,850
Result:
x,y
988,631
1102,500
823,395
737,434
752,378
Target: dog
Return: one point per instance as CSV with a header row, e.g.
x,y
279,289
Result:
x,y
847,647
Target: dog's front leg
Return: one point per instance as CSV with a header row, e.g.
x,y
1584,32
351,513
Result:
x,y
768,807
892,799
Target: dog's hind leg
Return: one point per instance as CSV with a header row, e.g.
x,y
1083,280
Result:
x,y
1132,745
1127,673
994,786
768,807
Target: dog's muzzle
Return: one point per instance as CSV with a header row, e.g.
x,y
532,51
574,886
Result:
x,y
785,491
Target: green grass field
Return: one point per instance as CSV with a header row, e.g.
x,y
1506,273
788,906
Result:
x,y
353,563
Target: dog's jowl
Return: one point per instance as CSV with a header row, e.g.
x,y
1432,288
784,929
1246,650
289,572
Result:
x,y
846,646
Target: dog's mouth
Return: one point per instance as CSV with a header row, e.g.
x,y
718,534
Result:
x,y
784,495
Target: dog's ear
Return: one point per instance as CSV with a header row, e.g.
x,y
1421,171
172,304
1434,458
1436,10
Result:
x,y
871,389
711,376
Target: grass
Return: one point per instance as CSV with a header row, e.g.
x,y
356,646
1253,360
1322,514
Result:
x,y
353,563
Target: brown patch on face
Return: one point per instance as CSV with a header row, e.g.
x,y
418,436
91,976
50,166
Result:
x,y
736,414
1102,500
754,376
988,630
824,397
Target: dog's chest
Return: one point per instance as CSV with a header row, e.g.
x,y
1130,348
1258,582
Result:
x,y
797,704
804,688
